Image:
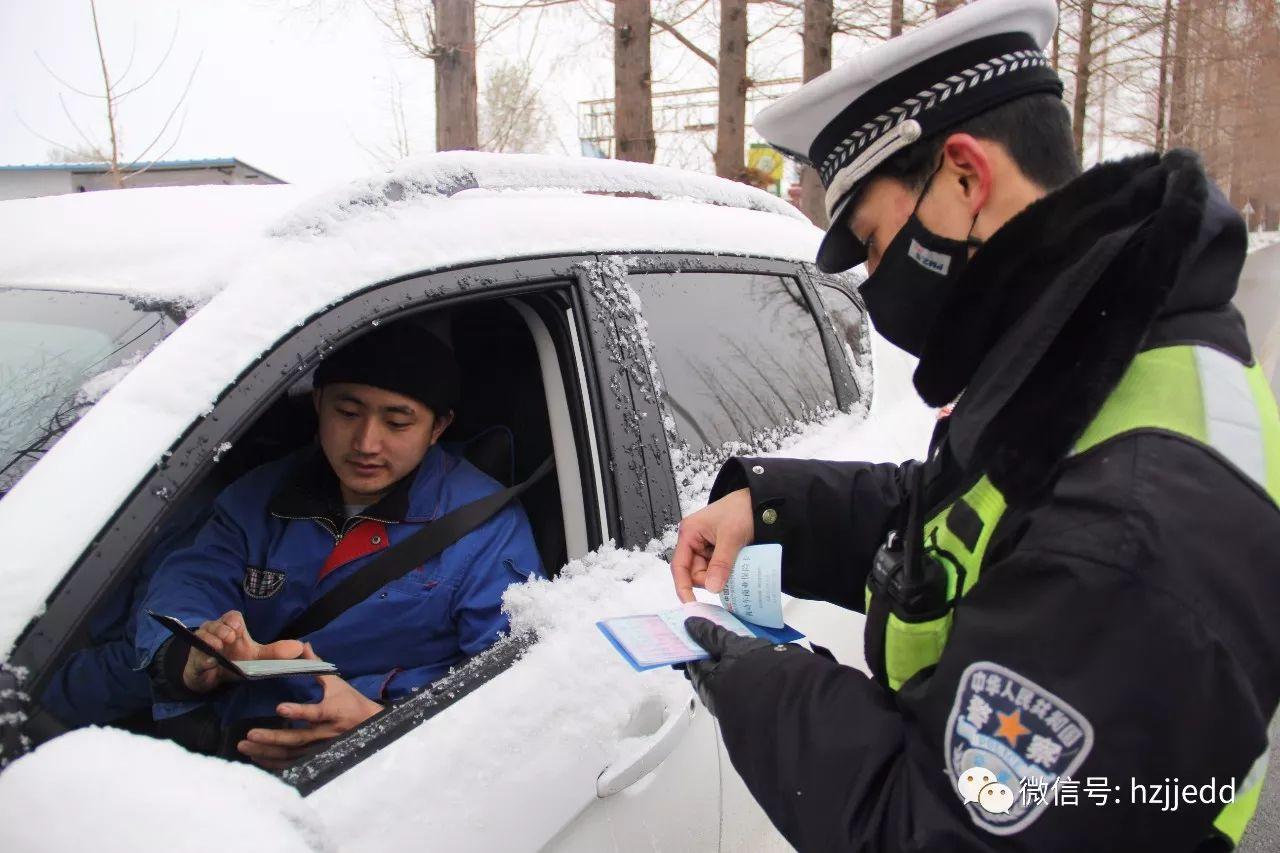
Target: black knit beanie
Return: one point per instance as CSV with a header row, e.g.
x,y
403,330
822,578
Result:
x,y
402,358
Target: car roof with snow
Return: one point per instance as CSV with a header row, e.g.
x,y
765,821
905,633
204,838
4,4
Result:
x,y
262,261
445,210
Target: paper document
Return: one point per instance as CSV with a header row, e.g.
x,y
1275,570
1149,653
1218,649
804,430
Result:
x,y
251,670
754,589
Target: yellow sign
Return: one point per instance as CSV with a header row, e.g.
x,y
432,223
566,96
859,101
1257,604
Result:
x,y
765,160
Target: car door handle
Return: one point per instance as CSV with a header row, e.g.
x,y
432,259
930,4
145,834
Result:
x,y
635,764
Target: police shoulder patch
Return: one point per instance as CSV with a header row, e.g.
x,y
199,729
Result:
x,y
1016,732
262,583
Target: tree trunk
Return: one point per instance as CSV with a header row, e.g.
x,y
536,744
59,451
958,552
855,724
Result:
x,y
1102,109
1179,90
1162,89
895,18
455,65
1084,58
632,82
942,7
819,27
1056,50
732,68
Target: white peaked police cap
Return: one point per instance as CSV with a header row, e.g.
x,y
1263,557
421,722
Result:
x,y
926,81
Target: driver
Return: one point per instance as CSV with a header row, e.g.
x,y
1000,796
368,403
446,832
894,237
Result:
x,y
288,532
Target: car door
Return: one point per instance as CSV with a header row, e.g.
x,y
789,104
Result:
x,y
748,354
519,749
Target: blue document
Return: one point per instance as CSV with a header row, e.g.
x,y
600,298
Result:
x,y
659,639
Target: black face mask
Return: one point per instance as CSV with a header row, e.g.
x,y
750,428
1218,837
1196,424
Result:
x,y
913,279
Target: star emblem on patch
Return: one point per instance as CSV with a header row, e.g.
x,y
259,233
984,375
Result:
x,y
1005,723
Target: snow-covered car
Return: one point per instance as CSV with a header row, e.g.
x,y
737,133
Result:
x,y
635,323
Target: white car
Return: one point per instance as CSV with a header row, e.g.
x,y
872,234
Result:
x,y
638,324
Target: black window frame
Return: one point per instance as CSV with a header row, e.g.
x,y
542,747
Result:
x,y
637,480
101,568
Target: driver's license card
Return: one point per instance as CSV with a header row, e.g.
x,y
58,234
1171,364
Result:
x,y
660,639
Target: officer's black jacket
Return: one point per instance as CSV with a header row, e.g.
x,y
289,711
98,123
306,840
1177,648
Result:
x,y
1138,581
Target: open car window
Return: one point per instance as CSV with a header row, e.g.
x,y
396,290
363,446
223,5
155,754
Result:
x,y
59,352
523,374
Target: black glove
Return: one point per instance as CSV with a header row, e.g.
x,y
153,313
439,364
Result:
x,y
726,649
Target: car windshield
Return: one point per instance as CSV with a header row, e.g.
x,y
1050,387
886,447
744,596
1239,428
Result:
x,y
59,352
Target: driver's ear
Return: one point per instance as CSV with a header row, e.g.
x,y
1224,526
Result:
x,y
316,394
441,424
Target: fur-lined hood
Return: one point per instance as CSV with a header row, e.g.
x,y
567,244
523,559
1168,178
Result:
x,y
1050,312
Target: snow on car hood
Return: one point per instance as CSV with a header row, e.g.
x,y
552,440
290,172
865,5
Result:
x,y
260,287
110,791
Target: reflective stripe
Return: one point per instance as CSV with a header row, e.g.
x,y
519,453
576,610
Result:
x,y
1232,425
1202,394
1235,815
1269,417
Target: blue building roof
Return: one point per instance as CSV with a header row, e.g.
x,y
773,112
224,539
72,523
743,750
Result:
x,y
159,165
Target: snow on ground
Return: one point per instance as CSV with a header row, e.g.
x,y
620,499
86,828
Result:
x,y
1262,239
107,790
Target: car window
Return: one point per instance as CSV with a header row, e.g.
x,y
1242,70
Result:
x,y
508,361
59,352
739,354
846,314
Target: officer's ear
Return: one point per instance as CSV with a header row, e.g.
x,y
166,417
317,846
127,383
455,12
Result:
x,y
967,162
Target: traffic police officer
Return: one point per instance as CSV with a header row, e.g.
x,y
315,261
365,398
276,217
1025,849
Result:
x,y
1070,603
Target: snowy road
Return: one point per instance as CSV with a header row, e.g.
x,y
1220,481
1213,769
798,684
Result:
x,y
1259,299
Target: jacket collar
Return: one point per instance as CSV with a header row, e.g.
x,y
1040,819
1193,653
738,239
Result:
x,y
311,490
1051,311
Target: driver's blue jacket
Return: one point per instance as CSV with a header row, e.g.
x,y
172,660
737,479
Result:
x,y
279,539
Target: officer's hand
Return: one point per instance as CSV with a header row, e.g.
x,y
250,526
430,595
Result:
x,y
228,635
726,649
339,710
709,542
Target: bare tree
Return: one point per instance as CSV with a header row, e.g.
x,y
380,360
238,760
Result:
x,y
819,27
633,81
1084,59
120,168
942,7
513,117
401,144
443,31
1160,142
895,18
732,112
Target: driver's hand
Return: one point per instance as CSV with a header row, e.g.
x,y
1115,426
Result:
x,y
709,542
230,637
339,710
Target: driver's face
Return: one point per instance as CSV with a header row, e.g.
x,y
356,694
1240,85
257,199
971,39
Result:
x,y
372,437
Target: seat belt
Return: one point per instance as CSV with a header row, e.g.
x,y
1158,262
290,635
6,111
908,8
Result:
x,y
409,554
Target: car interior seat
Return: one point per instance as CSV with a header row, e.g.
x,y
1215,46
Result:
x,y
501,385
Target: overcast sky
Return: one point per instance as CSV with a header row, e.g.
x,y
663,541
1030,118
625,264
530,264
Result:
x,y
302,88
298,94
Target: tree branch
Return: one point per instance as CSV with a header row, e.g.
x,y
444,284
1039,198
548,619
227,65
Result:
x,y
680,37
